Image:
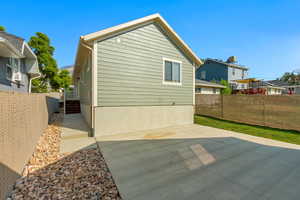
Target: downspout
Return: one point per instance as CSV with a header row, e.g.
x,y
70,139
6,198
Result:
x,y
30,80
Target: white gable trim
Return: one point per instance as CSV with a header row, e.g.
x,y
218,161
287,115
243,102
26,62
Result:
x,y
133,24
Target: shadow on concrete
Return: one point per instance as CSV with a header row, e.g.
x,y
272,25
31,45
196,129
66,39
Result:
x,y
75,122
74,133
52,106
7,178
202,168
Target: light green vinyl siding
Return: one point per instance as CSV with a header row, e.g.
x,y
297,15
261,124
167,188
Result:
x,y
85,83
130,70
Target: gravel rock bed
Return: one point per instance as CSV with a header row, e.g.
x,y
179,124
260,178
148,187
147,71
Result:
x,y
50,175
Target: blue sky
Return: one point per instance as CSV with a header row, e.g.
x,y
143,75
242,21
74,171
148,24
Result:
x,y
264,35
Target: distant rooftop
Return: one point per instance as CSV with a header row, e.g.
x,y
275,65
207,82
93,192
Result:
x,y
235,65
278,82
281,83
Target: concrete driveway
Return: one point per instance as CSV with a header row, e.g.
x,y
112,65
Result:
x,y
197,162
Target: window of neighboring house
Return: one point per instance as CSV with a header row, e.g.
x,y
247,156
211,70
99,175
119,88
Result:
x,y
198,90
172,72
269,90
233,71
9,72
203,75
214,90
13,69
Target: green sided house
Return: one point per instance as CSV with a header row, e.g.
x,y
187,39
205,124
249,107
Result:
x,y
135,76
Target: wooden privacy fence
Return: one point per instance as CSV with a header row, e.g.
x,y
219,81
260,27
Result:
x,y
23,118
273,111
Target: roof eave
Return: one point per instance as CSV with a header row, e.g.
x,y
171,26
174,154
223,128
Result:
x,y
11,48
207,85
155,18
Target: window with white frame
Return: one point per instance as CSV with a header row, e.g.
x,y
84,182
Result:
x,y
172,72
233,71
214,90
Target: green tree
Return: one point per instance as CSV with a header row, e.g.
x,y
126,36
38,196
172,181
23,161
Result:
x,y
40,44
226,90
2,28
291,78
61,80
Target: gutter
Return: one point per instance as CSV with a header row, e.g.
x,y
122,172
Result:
x,y
86,45
30,81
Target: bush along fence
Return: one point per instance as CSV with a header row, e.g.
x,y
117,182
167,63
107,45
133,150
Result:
x,y
273,111
23,118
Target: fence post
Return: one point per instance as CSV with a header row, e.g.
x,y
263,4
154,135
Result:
x,y
64,101
264,111
222,106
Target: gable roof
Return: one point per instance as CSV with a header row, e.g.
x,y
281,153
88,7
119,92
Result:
x,y
278,82
199,82
14,46
16,41
270,85
227,64
135,23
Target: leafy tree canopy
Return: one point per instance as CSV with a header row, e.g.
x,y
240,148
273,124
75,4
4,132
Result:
x,y
61,80
293,78
226,90
51,77
2,28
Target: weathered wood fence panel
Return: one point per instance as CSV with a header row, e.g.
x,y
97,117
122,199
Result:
x,y
210,105
23,118
273,111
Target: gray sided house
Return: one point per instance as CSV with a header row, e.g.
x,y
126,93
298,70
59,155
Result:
x,y
288,89
217,70
135,76
18,64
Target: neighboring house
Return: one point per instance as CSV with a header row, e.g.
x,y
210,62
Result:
x,y
18,64
272,89
217,70
253,86
289,89
135,76
205,87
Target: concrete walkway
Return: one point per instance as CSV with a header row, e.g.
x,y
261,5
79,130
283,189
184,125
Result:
x,y
198,162
74,134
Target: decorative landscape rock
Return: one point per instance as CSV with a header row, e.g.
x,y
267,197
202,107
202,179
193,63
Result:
x,y
51,175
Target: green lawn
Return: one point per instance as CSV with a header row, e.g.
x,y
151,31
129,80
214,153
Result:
x,y
266,132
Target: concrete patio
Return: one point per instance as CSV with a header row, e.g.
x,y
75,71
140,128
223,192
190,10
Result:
x,y
198,162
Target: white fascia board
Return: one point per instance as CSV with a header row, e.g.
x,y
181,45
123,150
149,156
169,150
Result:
x,y
95,74
151,18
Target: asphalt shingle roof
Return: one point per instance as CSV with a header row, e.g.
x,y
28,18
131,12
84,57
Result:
x,y
16,41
